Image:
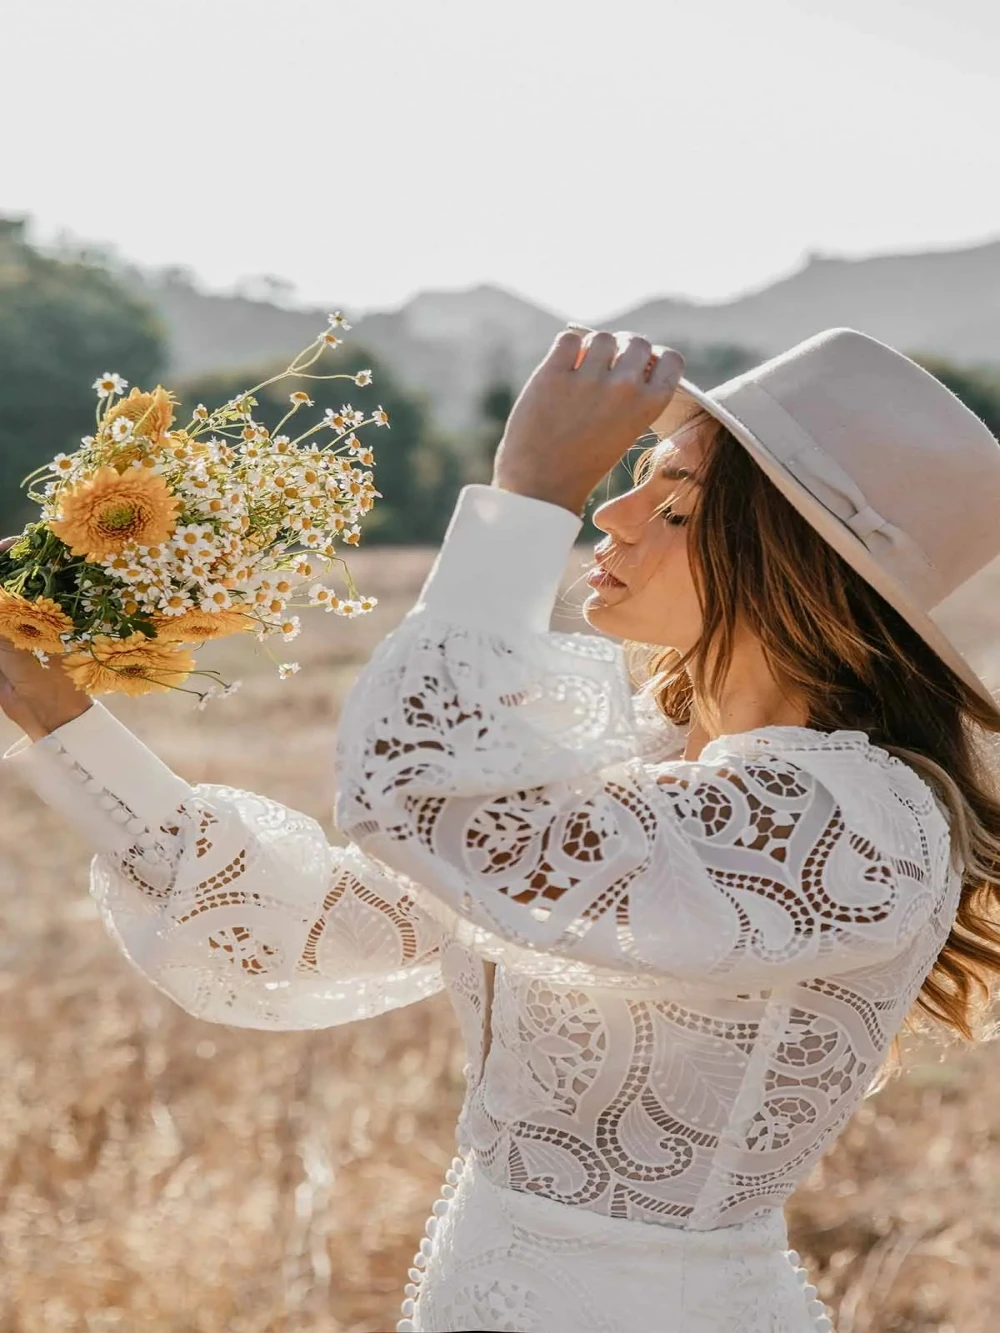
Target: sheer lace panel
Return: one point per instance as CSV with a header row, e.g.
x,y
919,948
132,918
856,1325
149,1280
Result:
x,y
702,964
733,871
244,913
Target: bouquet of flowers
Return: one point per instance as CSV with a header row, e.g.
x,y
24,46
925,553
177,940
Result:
x,y
155,537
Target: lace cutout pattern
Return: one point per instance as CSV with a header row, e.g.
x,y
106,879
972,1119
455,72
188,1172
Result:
x,y
244,914
702,963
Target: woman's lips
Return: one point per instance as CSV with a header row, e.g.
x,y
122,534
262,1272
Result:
x,y
601,578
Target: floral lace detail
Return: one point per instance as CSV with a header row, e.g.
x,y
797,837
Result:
x,y
675,979
510,1262
244,914
702,963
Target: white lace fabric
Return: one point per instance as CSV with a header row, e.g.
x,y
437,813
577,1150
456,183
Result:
x,y
512,1262
675,979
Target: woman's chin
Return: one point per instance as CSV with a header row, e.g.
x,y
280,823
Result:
x,y
600,613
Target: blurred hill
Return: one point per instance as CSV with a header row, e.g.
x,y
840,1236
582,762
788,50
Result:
x,y
453,345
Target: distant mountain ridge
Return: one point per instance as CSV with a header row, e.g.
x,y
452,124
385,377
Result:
x,y
453,344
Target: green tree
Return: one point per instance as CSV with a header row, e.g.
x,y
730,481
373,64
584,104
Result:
x,y
416,470
64,320
978,387
495,406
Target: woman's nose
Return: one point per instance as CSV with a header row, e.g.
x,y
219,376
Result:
x,y
619,517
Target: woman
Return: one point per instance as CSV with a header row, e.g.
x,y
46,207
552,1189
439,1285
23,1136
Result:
x,y
681,930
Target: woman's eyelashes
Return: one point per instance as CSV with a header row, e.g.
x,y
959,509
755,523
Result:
x,y
670,515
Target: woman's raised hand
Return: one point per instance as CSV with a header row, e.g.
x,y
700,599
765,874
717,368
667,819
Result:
x,y
585,405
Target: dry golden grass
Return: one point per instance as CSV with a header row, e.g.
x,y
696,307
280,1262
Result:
x,y
164,1174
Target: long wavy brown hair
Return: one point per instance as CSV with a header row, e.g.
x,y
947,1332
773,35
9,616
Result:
x,y
832,641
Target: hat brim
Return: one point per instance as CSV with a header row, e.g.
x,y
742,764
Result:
x,y
685,404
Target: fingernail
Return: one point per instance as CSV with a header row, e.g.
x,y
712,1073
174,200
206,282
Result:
x,y
674,360
580,328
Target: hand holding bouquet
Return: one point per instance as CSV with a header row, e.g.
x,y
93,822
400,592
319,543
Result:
x,y
154,537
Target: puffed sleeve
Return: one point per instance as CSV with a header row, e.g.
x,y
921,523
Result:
x,y
503,772
236,907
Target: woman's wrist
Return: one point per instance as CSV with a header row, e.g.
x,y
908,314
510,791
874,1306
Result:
x,y
42,718
538,487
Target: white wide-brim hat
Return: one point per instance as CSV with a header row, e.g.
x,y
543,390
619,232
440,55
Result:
x,y
897,474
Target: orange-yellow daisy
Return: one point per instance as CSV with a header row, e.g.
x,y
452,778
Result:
x,y
151,414
136,665
108,511
197,626
35,625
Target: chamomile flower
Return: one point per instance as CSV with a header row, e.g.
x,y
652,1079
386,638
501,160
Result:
x,y
337,321
63,464
200,413
109,383
321,596
291,628
300,399
380,416
330,338
363,378
287,669
335,420
216,598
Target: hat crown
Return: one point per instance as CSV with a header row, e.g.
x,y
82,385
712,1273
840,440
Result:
x,y
886,447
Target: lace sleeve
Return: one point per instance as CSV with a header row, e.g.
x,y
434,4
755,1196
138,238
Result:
x,y
236,907
496,768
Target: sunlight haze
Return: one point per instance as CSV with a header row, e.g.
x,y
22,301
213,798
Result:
x,y
586,155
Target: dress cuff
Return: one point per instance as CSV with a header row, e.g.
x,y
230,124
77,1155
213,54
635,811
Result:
x,y
502,561
101,779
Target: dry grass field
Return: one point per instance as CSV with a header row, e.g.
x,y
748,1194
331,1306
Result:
x,y
164,1174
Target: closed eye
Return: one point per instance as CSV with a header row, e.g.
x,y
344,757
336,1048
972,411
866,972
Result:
x,y
675,519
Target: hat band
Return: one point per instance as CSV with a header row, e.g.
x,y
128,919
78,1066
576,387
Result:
x,y
794,449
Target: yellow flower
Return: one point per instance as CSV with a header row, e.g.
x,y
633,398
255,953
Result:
x,y
107,512
151,414
196,626
134,666
34,625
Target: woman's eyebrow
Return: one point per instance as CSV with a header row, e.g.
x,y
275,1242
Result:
x,y
669,473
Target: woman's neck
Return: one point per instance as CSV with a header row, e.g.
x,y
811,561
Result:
x,y
750,699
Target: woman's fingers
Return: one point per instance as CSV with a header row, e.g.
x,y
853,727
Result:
x,y
633,358
7,543
621,356
667,371
565,351
600,354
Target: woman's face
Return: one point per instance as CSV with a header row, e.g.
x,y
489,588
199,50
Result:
x,y
642,586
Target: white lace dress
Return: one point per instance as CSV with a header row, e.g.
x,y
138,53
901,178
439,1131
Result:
x,y
675,979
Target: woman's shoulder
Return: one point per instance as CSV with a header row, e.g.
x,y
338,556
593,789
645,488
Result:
x,y
878,795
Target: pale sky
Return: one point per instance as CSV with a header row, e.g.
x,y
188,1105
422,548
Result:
x,y
588,155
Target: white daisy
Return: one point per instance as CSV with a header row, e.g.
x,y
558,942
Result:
x,y
109,383
215,597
